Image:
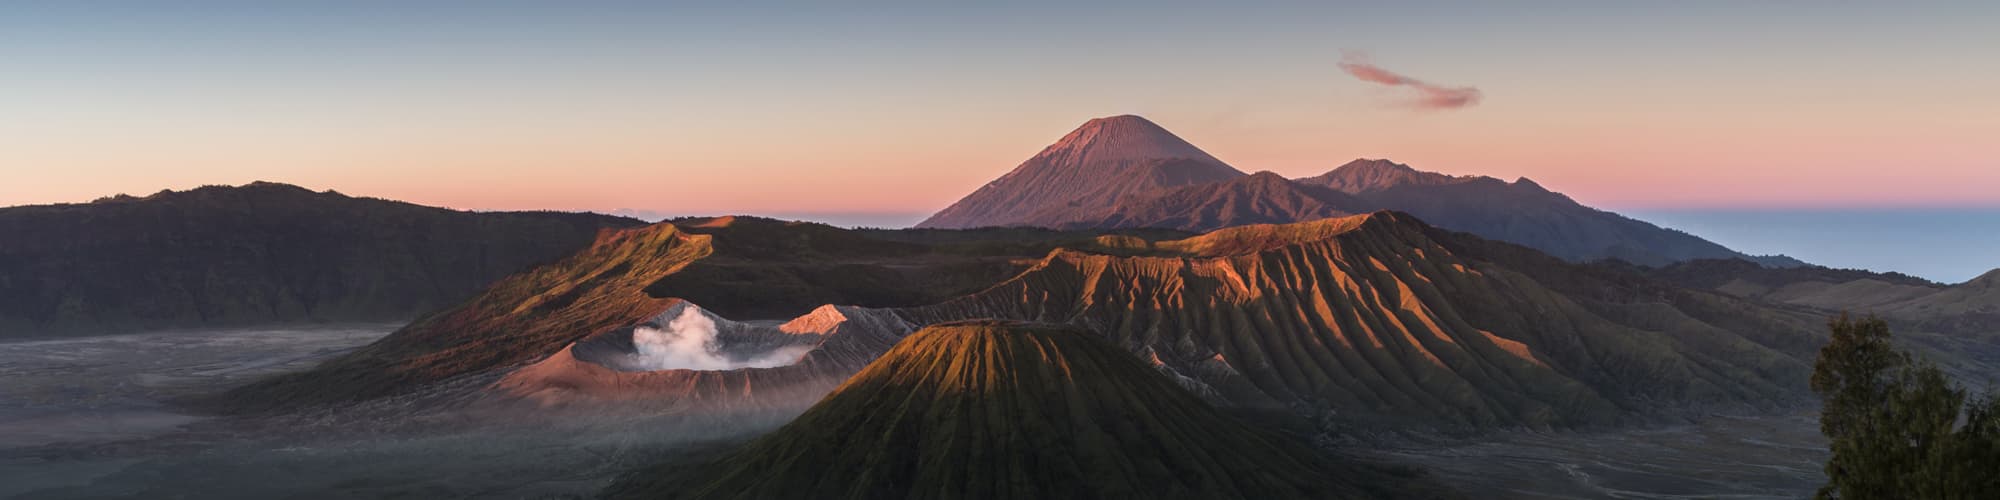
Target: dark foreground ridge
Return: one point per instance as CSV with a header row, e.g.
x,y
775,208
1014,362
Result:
x,y
1000,409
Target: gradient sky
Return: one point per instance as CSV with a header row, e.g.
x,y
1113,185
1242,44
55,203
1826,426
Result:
x,y
902,109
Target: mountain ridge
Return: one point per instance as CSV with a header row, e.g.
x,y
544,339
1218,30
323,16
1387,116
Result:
x,y
261,253
1003,409
1521,211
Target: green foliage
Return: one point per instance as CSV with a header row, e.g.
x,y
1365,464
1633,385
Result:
x,y
1899,428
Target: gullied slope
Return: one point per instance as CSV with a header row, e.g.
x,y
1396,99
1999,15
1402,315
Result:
x,y
1376,319
1126,172
1085,173
1815,286
259,253
740,267
1366,176
1953,322
1260,198
993,410
524,317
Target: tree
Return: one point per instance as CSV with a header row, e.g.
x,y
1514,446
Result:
x,y
1897,426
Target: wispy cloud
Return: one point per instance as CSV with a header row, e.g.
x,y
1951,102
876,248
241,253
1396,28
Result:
x,y
1427,96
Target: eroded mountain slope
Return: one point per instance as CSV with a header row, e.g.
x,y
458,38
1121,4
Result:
x,y
1374,318
990,409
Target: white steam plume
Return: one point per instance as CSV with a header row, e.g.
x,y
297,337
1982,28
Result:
x,y
688,343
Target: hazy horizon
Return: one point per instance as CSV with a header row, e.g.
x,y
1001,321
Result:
x,y
1954,243
901,109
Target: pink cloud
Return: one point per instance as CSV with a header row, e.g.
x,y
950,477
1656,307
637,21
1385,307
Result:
x,y
1427,96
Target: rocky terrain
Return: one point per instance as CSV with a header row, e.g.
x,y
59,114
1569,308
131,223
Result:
x,y
1380,318
738,267
993,409
1376,321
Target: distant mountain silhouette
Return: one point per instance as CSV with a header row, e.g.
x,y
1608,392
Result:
x,y
1000,410
1521,212
1966,311
1089,171
1261,198
259,253
1110,174
1367,176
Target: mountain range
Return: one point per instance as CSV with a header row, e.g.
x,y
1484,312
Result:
x,y
998,409
1127,172
259,254
1105,321
1373,321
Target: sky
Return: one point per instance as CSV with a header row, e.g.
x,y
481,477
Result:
x,y
886,112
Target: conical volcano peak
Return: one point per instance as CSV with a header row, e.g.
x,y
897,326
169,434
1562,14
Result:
x,y
995,409
1123,138
1085,175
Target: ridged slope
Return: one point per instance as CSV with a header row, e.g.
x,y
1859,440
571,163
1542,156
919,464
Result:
x,y
524,317
1965,313
1085,173
1373,318
1260,198
740,267
1002,410
1365,175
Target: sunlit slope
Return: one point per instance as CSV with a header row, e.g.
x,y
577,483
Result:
x,y
739,267
992,409
1374,317
519,319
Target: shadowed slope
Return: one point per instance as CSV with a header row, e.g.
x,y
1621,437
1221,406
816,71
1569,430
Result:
x,y
260,253
1364,175
1373,317
1955,324
773,269
521,318
1815,286
993,410
1260,198
1126,172
1521,212
740,267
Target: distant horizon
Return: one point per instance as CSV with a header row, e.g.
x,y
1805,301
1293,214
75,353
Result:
x,y
1941,244
902,109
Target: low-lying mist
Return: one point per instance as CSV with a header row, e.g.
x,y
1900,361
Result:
x,y
90,418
